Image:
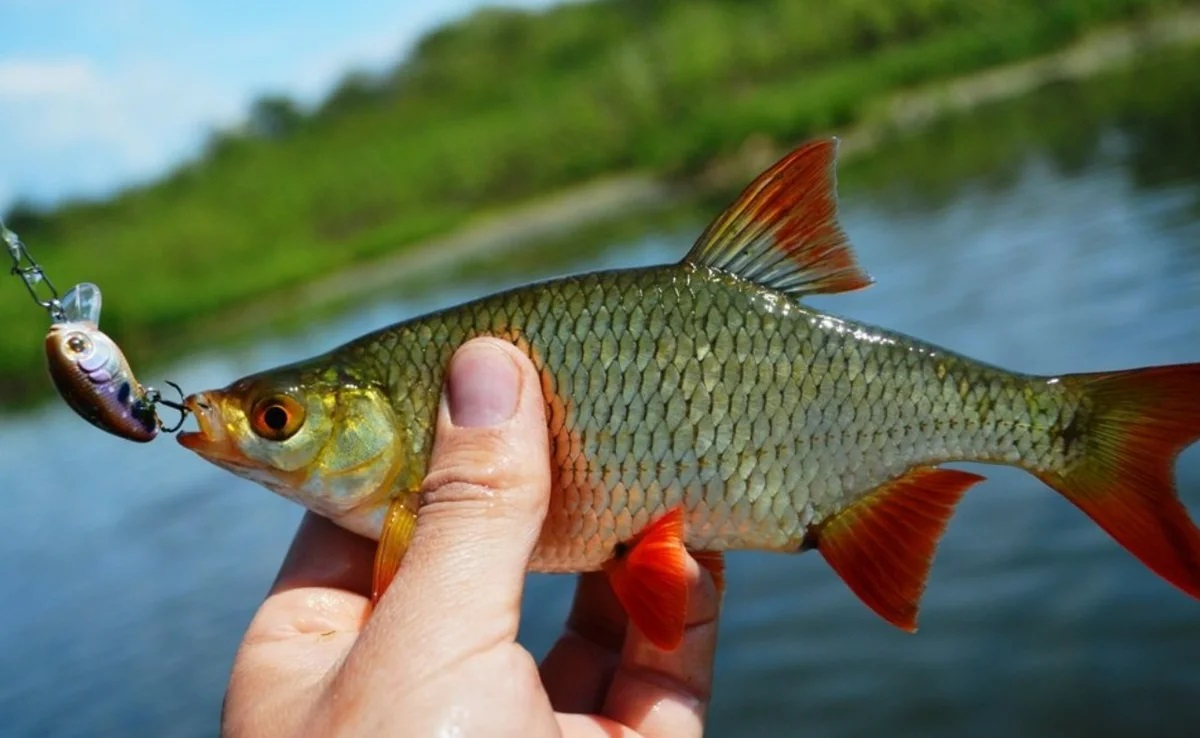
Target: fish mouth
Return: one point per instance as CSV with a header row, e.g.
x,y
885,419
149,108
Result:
x,y
211,441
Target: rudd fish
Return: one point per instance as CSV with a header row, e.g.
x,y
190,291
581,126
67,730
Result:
x,y
703,405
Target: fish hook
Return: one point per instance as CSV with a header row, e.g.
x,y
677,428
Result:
x,y
155,398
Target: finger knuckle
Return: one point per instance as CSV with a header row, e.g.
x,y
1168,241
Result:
x,y
468,477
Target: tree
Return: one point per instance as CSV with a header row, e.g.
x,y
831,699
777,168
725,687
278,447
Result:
x,y
273,117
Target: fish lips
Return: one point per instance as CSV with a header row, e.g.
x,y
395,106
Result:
x,y
211,441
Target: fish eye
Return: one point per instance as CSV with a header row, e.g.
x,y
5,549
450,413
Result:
x,y
276,418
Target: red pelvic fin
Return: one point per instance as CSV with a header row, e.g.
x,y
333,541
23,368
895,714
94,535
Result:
x,y
882,546
783,232
1141,420
649,578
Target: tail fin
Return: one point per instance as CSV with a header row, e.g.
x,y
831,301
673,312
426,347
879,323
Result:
x,y
1139,422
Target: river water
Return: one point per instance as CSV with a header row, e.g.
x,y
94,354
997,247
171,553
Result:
x,y
1057,233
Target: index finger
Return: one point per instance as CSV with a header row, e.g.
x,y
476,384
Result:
x,y
307,623
665,693
323,554
322,586
578,669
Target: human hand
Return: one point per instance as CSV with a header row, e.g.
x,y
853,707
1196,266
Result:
x,y
438,656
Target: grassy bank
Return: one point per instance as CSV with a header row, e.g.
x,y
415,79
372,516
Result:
x,y
491,111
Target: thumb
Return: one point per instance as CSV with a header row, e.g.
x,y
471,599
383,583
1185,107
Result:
x,y
459,588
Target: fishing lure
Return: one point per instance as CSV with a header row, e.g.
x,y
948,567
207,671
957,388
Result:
x,y
88,368
92,374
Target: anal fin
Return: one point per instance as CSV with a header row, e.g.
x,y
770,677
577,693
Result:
x,y
398,525
883,545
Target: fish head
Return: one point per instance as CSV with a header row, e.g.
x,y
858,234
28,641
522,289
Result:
x,y
316,437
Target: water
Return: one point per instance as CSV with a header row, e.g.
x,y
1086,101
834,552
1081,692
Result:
x,y
1061,234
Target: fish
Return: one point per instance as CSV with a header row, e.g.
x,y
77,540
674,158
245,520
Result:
x,y
703,406
91,373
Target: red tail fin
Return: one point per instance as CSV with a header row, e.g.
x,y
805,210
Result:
x,y
1139,422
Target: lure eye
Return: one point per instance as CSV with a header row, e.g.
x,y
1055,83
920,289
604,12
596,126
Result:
x,y
277,418
78,343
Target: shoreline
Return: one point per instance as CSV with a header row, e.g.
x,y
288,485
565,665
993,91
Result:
x,y
590,214
617,196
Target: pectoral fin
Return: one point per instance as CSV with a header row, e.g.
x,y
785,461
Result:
x,y
882,545
398,526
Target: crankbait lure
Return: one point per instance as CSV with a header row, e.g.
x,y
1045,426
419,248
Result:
x,y
88,368
92,374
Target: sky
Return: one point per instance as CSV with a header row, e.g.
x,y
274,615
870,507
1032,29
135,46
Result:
x,y
96,95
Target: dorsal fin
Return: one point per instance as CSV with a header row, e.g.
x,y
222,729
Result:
x,y
782,232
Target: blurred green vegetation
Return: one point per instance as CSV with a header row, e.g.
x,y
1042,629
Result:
x,y
1130,111
500,107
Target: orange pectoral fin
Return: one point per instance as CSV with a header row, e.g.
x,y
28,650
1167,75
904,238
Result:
x,y
649,578
398,526
882,546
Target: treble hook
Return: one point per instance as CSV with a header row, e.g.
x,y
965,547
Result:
x,y
155,398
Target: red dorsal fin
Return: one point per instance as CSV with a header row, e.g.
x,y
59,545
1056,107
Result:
x,y
882,545
782,232
649,577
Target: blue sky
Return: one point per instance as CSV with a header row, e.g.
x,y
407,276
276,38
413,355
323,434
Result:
x,y
98,94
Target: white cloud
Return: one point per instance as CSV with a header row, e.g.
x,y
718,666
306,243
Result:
x,y
82,131
75,128
138,84
29,78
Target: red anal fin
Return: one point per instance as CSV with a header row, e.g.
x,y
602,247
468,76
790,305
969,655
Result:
x,y
649,578
783,232
714,563
882,546
1140,420
398,526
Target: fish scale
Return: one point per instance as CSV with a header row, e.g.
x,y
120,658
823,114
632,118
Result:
x,y
703,407
662,410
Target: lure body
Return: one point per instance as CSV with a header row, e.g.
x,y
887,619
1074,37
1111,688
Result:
x,y
704,407
92,374
94,378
